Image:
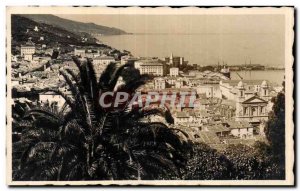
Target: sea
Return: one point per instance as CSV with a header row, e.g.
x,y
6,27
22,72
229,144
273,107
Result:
x,y
199,50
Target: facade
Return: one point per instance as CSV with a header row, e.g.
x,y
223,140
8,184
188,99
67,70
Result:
x,y
128,60
27,50
159,83
150,66
181,118
210,90
229,88
241,129
254,108
103,60
179,83
174,72
79,52
51,97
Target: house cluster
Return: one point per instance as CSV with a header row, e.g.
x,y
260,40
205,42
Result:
x,y
223,109
226,109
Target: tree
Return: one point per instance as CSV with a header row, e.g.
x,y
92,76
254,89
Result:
x,y
87,142
206,163
275,130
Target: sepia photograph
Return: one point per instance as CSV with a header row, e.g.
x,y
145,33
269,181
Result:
x,y
150,96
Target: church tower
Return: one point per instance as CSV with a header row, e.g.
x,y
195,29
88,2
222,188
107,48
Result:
x,y
171,58
264,90
241,91
239,100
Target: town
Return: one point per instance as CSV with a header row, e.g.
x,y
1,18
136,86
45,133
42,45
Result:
x,y
228,111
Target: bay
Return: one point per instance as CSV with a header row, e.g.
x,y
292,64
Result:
x,y
207,49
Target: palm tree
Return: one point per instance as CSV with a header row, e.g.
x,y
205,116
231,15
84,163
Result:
x,y
88,142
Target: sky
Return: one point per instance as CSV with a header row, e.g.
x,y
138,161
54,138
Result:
x,y
270,24
256,37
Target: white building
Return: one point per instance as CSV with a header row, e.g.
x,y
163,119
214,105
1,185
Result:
x,y
179,83
36,29
159,83
241,129
128,59
150,66
51,97
27,50
229,88
210,90
79,52
103,60
181,118
174,71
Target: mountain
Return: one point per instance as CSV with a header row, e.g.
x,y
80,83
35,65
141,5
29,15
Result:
x,y
74,26
23,28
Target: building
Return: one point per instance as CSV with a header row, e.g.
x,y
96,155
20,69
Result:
x,y
79,52
103,60
210,90
181,118
179,83
241,129
149,66
175,61
36,29
252,109
159,83
128,60
52,98
229,90
174,72
219,129
27,50
227,109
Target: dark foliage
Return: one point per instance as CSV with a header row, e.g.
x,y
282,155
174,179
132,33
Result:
x,y
275,131
85,142
236,162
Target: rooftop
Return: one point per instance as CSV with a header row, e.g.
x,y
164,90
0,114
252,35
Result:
x,y
104,58
237,124
209,137
182,114
244,82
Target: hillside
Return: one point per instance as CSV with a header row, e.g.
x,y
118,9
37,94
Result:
x,y
74,26
23,28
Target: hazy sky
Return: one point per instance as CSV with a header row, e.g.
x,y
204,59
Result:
x,y
271,24
259,37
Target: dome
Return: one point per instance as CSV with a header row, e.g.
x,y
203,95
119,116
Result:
x,y
240,85
264,84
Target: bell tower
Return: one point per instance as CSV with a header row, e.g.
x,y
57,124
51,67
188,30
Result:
x,y
240,97
264,90
241,91
171,58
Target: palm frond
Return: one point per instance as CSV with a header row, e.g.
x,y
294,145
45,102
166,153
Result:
x,y
114,78
43,113
105,77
